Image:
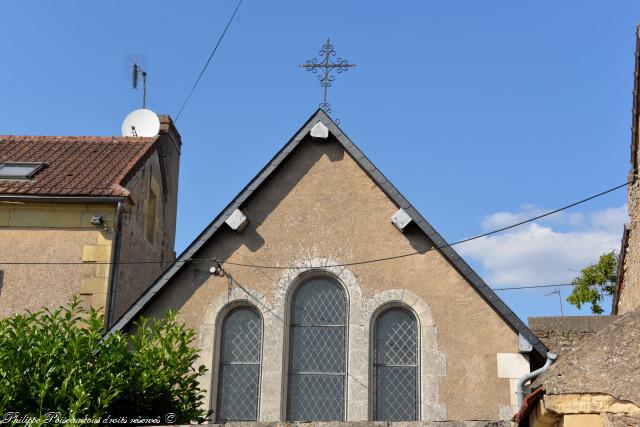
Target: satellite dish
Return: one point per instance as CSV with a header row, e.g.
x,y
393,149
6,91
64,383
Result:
x,y
141,123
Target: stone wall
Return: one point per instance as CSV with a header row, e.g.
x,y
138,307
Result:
x,y
147,236
564,333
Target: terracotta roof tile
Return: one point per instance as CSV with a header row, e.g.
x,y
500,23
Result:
x,y
75,165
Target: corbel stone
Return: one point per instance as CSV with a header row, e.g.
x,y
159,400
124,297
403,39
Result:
x,y
401,219
320,131
237,220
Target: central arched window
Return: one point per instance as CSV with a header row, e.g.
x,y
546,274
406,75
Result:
x,y
317,352
239,379
395,366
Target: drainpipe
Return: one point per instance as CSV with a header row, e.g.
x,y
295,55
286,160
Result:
x,y
551,358
115,256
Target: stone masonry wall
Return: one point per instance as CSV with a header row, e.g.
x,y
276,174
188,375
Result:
x,y
629,294
563,334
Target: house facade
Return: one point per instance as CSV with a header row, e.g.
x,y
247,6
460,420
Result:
x,y
76,211
321,294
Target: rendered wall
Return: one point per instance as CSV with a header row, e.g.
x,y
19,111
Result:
x,y
53,233
321,205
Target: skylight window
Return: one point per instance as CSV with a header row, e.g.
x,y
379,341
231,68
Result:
x,y
19,170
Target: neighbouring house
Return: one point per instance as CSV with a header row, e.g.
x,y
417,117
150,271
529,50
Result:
x,y
596,381
77,213
295,322
595,385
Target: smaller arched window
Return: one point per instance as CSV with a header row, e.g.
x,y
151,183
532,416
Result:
x,y
395,366
239,373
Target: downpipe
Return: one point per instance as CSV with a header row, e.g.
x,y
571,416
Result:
x,y
551,358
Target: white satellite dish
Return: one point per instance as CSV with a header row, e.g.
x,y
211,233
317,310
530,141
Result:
x,y
141,123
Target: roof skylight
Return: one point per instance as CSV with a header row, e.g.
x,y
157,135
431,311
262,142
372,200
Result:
x,y
19,170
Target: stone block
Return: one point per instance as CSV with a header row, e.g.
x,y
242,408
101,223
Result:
x,y
96,253
237,220
512,365
401,219
320,131
102,270
583,420
93,286
27,218
63,219
4,217
98,301
105,237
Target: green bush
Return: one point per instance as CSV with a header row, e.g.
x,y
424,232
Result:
x,y
58,362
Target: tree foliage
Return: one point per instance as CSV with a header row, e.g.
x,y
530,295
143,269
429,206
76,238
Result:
x,y
594,282
58,362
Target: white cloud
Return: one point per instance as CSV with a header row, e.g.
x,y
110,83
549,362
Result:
x,y
545,252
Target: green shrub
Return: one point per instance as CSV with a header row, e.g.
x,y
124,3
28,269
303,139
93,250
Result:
x,y
58,362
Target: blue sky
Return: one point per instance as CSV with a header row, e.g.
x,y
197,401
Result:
x,y
479,112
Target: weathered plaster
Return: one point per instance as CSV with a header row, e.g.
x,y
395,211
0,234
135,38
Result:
x,y
320,207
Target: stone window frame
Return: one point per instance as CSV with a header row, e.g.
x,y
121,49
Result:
x,y
224,316
360,311
210,338
432,362
373,389
300,279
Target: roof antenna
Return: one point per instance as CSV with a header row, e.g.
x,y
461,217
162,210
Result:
x,y
137,72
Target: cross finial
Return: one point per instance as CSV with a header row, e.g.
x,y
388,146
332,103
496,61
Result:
x,y
325,63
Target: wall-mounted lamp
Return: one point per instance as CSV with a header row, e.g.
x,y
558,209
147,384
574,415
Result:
x,y
216,269
98,220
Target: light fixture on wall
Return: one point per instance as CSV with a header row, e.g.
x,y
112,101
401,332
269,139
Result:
x,y
98,220
216,269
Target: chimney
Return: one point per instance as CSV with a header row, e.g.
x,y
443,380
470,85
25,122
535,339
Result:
x,y
168,128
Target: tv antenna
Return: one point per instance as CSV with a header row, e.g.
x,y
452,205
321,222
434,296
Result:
x,y
559,298
136,74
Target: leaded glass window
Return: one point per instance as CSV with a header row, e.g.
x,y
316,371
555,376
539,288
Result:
x,y
396,366
317,354
239,379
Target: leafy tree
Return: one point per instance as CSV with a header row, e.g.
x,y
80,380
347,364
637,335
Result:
x,y
594,282
58,362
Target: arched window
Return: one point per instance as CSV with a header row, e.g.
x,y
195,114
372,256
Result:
x,y
239,379
317,352
395,366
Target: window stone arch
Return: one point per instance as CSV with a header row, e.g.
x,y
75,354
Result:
x,y
395,364
240,365
210,335
317,323
432,362
357,331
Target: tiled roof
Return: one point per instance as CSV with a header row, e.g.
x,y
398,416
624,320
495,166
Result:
x,y
75,165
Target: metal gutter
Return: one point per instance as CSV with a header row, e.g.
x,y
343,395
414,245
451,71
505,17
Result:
x,y
551,358
61,199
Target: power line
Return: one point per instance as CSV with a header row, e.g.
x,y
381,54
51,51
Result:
x,y
204,68
469,239
517,288
370,261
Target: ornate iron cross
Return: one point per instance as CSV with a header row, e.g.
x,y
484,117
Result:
x,y
327,67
